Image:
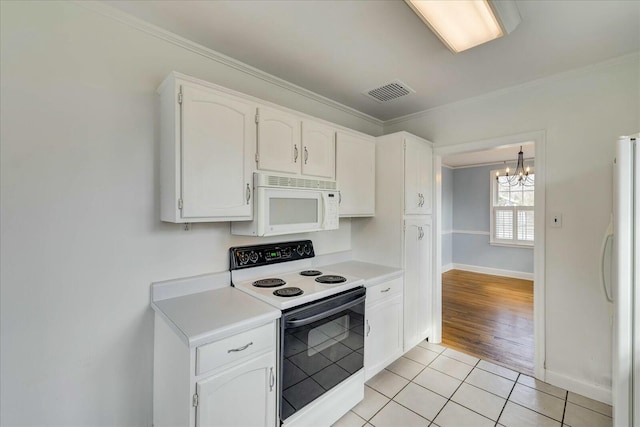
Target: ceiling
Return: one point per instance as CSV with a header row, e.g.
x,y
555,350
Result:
x,y
339,49
508,153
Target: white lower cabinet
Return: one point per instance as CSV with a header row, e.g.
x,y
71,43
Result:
x,y
418,286
383,326
229,382
243,395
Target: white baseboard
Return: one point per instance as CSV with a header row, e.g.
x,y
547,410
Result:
x,y
447,267
592,391
488,270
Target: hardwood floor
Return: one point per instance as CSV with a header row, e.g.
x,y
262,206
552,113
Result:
x,y
490,317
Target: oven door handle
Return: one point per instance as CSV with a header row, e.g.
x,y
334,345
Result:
x,y
314,318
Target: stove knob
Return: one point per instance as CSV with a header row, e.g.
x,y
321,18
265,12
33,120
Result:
x,y
243,257
253,257
286,252
299,250
307,249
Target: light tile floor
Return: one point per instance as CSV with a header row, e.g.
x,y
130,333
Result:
x,y
432,385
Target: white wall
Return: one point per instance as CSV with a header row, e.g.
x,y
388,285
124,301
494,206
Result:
x,y
81,235
582,113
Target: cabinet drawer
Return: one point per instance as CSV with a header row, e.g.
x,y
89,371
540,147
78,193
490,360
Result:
x,y
384,290
236,347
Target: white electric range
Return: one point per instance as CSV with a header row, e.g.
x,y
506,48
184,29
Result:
x,y
322,329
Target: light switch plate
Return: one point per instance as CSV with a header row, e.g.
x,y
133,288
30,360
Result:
x,y
555,220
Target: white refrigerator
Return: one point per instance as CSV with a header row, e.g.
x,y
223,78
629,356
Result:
x,y
625,289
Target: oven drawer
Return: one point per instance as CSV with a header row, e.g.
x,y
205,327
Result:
x,y
236,347
384,290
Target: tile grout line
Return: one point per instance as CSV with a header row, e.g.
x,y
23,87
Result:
x,y
405,386
454,392
391,399
507,399
516,382
564,411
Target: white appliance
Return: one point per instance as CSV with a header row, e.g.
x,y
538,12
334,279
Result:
x,y
285,205
625,292
321,358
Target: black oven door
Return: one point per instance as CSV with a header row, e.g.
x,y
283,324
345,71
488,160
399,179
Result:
x,y
322,344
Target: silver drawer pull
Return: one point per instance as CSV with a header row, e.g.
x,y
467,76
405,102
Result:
x,y
244,347
386,290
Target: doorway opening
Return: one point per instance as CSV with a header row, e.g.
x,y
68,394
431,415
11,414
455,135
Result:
x,y
490,251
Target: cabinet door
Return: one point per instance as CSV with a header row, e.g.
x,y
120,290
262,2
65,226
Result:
x,y
318,150
218,137
278,141
425,293
356,175
383,340
244,395
418,281
418,171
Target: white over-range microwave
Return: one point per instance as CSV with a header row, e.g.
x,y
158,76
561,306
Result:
x,y
286,205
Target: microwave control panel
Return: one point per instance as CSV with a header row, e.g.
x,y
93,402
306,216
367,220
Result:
x,y
259,255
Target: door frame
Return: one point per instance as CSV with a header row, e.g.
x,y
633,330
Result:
x,y
539,138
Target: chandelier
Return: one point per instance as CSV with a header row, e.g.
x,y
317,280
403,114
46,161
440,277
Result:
x,y
519,177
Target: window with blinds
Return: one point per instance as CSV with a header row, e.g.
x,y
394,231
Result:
x,y
512,212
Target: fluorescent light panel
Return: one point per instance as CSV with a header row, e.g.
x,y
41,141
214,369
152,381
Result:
x,y
460,24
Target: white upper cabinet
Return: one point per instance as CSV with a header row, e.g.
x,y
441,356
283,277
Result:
x,y
318,149
279,148
289,144
207,141
418,172
356,174
213,139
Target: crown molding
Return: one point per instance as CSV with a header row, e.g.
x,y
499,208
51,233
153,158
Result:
x,y
168,36
631,57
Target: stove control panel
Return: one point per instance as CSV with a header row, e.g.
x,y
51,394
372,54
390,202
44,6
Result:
x,y
259,255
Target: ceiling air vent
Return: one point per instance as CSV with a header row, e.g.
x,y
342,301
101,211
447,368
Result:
x,y
389,91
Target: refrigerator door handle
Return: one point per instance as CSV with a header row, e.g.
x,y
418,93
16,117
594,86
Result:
x,y
603,253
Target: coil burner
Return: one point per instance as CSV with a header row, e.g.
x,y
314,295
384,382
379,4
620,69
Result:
x,y
269,283
288,292
310,273
330,279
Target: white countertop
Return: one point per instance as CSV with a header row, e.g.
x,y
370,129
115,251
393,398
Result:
x,y
203,309
208,316
373,274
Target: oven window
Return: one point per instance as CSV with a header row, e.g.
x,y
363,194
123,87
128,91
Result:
x,y
318,356
283,211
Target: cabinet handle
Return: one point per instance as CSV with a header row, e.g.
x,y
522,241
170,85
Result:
x,y
248,193
420,233
295,153
244,347
272,379
385,290
339,197
306,155
368,327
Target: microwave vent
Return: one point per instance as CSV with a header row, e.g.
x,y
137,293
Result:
x,y
293,182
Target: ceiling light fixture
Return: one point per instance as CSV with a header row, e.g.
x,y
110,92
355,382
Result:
x,y
463,24
519,177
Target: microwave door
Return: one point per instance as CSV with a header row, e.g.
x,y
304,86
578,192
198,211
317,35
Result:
x,y
289,211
